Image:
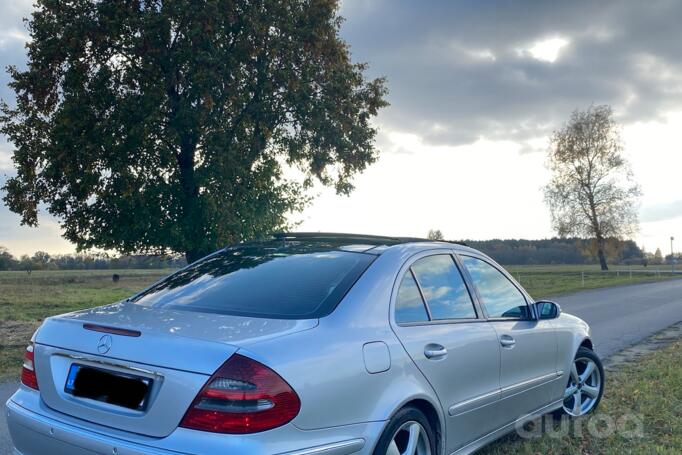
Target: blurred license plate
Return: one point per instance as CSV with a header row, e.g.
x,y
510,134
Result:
x,y
120,389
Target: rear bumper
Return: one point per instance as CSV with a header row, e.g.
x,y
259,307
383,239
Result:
x,y
35,434
45,431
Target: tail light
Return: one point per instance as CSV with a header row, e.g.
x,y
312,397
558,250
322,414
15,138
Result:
x,y
243,396
28,371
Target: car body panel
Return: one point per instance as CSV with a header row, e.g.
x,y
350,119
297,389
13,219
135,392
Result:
x,y
571,333
166,325
345,404
527,369
38,430
472,362
177,351
172,391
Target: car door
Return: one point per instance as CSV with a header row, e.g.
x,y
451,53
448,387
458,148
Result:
x,y
528,345
436,320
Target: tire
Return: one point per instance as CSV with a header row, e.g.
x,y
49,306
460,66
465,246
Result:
x,y
398,431
589,387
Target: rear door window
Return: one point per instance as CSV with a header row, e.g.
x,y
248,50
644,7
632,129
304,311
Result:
x,y
443,288
271,280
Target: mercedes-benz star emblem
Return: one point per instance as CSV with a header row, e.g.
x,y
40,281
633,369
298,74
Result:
x,y
104,344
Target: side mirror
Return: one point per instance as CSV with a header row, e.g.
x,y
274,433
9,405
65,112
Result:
x,y
547,310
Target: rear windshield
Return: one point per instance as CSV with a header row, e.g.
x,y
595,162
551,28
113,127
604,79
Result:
x,y
271,280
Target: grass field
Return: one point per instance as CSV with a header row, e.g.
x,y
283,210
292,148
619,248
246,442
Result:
x,y
640,413
27,299
550,280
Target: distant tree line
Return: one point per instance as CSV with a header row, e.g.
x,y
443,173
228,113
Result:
x,y
41,260
558,251
508,252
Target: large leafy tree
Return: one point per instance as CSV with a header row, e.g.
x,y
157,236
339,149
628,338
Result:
x,y
592,192
169,125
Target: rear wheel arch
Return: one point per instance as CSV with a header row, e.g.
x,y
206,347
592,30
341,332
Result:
x,y
434,417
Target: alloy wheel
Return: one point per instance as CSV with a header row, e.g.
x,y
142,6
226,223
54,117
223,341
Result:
x,y
410,439
584,387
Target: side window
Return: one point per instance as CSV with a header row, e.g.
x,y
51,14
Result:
x,y
443,288
500,298
409,306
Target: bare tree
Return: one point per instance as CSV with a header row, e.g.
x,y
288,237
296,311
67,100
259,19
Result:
x,y
592,192
435,234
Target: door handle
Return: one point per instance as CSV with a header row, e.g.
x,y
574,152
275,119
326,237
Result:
x,y
507,341
435,351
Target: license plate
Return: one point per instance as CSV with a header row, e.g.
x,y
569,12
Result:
x,y
112,387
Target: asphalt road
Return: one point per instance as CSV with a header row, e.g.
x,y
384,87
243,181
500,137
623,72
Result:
x,y
624,315
618,316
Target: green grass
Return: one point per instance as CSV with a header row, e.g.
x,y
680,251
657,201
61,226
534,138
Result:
x,y
27,299
640,413
550,280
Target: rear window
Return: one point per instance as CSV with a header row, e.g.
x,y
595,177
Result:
x,y
274,280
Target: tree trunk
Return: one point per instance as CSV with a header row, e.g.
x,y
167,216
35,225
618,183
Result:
x,y
594,219
192,221
600,253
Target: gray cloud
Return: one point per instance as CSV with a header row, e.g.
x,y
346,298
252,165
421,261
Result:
x,y
13,35
446,88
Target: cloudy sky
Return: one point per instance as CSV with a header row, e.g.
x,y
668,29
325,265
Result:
x,y
476,88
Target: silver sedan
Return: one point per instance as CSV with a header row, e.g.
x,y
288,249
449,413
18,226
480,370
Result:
x,y
306,344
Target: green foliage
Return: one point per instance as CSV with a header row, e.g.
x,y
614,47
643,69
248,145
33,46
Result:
x,y
7,261
149,126
88,261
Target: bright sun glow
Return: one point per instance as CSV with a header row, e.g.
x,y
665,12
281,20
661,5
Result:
x,y
548,50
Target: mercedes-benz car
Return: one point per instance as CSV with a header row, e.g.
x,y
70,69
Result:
x,y
306,344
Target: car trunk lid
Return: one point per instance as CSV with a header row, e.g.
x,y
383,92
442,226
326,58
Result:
x,y
173,352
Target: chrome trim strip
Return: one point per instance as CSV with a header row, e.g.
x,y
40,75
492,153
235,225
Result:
x,y
474,403
107,363
528,384
337,448
505,392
